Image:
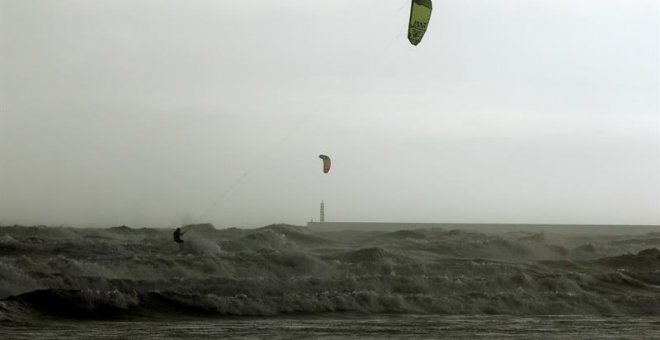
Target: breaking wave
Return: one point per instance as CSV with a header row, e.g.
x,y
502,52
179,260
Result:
x,y
121,273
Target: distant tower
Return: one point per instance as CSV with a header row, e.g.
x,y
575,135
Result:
x,y
322,212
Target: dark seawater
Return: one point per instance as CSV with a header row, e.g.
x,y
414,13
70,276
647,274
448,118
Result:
x,y
352,327
287,281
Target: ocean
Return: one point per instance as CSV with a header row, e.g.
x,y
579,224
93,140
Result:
x,y
350,326
285,281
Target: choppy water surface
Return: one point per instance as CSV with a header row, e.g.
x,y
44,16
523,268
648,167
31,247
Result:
x,y
277,280
352,326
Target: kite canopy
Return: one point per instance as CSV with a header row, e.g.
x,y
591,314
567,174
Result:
x,y
420,14
326,163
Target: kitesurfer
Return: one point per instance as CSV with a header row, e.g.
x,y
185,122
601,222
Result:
x,y
177,237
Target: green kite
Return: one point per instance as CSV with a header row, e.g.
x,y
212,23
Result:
x,y
420,14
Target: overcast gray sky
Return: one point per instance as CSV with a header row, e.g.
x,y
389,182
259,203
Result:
x,y
157,113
